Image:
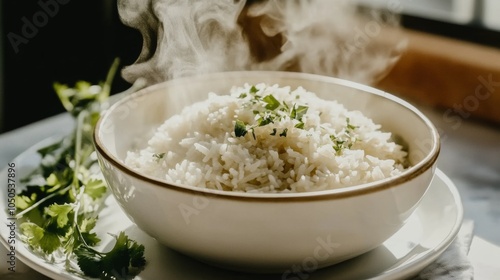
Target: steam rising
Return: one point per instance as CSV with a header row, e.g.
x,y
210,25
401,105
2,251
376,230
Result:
x,y
187,37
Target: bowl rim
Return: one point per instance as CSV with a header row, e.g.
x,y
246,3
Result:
x,y
412,172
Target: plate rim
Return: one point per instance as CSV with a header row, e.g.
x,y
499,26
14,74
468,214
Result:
x,y
414,267
408,269
38,264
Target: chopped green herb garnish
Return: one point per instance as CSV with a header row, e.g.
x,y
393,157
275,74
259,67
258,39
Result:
x,y
345,140
159,156
272,102
240,129
253,89
269,110
300,125
299,112
262,121
349,125
285,108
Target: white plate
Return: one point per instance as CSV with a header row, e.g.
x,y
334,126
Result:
x,y
429,231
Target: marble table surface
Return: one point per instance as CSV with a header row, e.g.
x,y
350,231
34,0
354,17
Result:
x,y
470,156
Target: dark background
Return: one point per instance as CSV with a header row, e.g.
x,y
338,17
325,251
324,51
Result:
x,y
79,42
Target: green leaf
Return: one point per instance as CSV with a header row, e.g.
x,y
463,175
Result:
x,y
50,148
283,134
94,117
58,179
272,102
301,111
64,93
265,121
25,201
349,126
89,261
37,237
300,125
52,180
83,95
91,238
49,242
285,108
87,224
240,128
33,232
293,113
298,112
253,89
125,258
137,259
60,212
95,188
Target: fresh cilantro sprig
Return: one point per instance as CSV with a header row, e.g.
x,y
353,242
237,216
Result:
x,y
58,208
126,258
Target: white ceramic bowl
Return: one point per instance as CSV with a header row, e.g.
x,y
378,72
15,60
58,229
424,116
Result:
x,y
265,232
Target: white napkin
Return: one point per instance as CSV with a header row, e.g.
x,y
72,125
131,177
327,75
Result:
x,y
453,264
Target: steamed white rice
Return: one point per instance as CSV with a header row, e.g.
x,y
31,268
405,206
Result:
x,y
325,148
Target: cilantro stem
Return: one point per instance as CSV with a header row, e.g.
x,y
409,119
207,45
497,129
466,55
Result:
x,y
75,219
78,146
106,89
75,183
35,205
